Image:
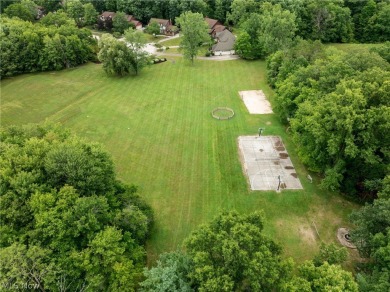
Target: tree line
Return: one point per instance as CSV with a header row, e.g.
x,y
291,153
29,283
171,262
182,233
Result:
x,y
67,223
52,44
337,107
276,25
231,253
325,20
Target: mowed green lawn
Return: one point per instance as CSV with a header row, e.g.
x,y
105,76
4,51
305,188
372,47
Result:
x,y
159,130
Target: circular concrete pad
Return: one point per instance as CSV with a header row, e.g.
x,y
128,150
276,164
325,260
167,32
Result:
x,y
341,233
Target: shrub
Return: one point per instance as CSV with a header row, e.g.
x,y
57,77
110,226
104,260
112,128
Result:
x,y
116,34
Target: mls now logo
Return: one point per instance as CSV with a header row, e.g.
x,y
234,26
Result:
x,y
20,286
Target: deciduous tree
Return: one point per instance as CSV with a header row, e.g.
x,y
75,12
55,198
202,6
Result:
x,y
194,34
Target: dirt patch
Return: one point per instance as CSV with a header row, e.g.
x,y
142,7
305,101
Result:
x,y
280,148
294,174
289,167
276,162
307,234
268,123
283,155
256,102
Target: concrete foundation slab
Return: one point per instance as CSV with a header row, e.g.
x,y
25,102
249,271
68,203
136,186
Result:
x,y
264,159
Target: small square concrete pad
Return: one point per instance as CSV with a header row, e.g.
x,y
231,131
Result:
x,y
256,102
264,159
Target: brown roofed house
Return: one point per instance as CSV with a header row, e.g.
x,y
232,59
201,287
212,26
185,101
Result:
x,y
130,18
106,15
166,26
214,26
225,43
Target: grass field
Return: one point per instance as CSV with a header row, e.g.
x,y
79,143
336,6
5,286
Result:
x,y
159,129
201,53
353,47
172,42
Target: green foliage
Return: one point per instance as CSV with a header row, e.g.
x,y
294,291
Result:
x,y
57,19
326,278
329,21
28,47
264,33
277,28
244,47
372,21
153,28
136,43
338,105
121,58
331,253
75,10
242,9
231,253
194,33
25,10
31,267
170,274
119,22
248,45
90,15
114,55
64,224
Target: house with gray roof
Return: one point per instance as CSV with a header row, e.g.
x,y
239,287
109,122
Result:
x,y
225,43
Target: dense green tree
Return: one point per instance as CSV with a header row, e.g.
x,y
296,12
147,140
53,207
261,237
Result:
x,y
119,22
27,268
50,5
170,274
75,10
114,55
330,21
244,47
153,28
231,253
194,33
242,9
266,32
283,63
62,234
339,121
277,28
25,10
55,45
330,253
326,278
57,19
136,43
248,44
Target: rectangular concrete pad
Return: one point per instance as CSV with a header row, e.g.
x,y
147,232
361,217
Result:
x,y
264,159
256,102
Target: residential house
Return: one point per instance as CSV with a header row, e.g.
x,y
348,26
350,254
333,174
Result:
x,y
214,26
224,38
166,26
106,15
225,43
133,20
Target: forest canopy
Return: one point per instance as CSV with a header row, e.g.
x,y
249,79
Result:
x,y
66,221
